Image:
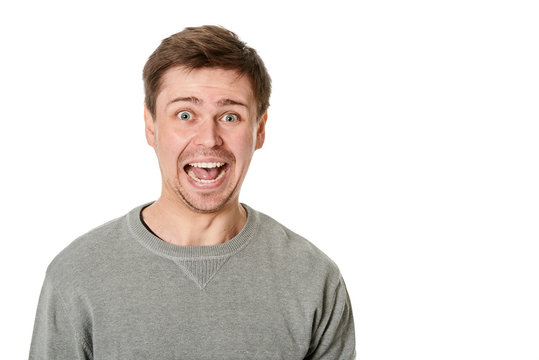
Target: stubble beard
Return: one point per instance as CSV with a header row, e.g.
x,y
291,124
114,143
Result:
x,y
205,203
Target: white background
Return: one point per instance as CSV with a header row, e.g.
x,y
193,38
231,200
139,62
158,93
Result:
x,y
402,141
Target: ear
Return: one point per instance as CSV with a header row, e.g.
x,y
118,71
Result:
x,y
261,131
149,125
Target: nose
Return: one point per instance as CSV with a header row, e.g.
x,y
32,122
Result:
x,y
207,134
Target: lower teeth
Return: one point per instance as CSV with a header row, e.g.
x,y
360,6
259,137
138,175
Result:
x,y
204,181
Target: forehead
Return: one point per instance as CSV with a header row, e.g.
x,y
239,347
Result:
x,y
208,84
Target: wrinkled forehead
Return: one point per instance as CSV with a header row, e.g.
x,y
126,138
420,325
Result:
x,y
205,83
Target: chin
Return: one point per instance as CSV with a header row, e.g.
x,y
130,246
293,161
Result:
x,y
206,204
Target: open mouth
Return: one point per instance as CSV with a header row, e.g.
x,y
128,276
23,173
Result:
x,y
206,173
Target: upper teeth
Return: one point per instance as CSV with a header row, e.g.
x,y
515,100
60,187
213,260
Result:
x,y
207,165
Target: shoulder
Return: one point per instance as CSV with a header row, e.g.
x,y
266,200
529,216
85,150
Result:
x,y
86,253
295,253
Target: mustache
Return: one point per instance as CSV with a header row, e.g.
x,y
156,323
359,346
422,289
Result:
x,y
222,154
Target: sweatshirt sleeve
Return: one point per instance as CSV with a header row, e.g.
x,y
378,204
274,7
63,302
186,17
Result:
x,y
55,335
334,337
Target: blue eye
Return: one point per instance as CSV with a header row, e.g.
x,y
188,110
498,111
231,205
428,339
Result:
x,y
230,118
185,115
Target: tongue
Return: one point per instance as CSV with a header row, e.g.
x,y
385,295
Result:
x,y
206,174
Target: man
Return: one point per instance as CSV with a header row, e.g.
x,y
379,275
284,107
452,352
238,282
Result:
x,y
196,274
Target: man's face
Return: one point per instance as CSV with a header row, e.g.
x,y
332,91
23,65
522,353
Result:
x,y
204,133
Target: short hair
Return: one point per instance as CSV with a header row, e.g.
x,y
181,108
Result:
x,y
206,46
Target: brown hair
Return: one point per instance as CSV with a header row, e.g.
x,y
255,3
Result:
x,y
206,46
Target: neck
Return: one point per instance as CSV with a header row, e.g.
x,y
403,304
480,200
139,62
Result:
x,y
178,225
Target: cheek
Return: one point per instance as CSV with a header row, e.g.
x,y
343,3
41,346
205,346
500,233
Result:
x,y
170,146
243,146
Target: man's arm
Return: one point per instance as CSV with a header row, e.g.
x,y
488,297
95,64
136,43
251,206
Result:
x,y
55,335
334,337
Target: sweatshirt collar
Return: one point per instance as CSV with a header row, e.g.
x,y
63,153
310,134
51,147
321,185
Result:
x,y
162,248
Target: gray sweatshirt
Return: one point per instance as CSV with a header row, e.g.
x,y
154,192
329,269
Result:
x,y
119,292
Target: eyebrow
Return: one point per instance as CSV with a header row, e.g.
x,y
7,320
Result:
x,y
225,102
190,99
196,101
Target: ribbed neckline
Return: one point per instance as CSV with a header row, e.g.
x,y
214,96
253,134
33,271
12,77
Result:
x,y
162,248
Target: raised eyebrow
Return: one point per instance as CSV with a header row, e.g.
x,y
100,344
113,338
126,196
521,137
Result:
x,y
190,99
197,101
226,102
